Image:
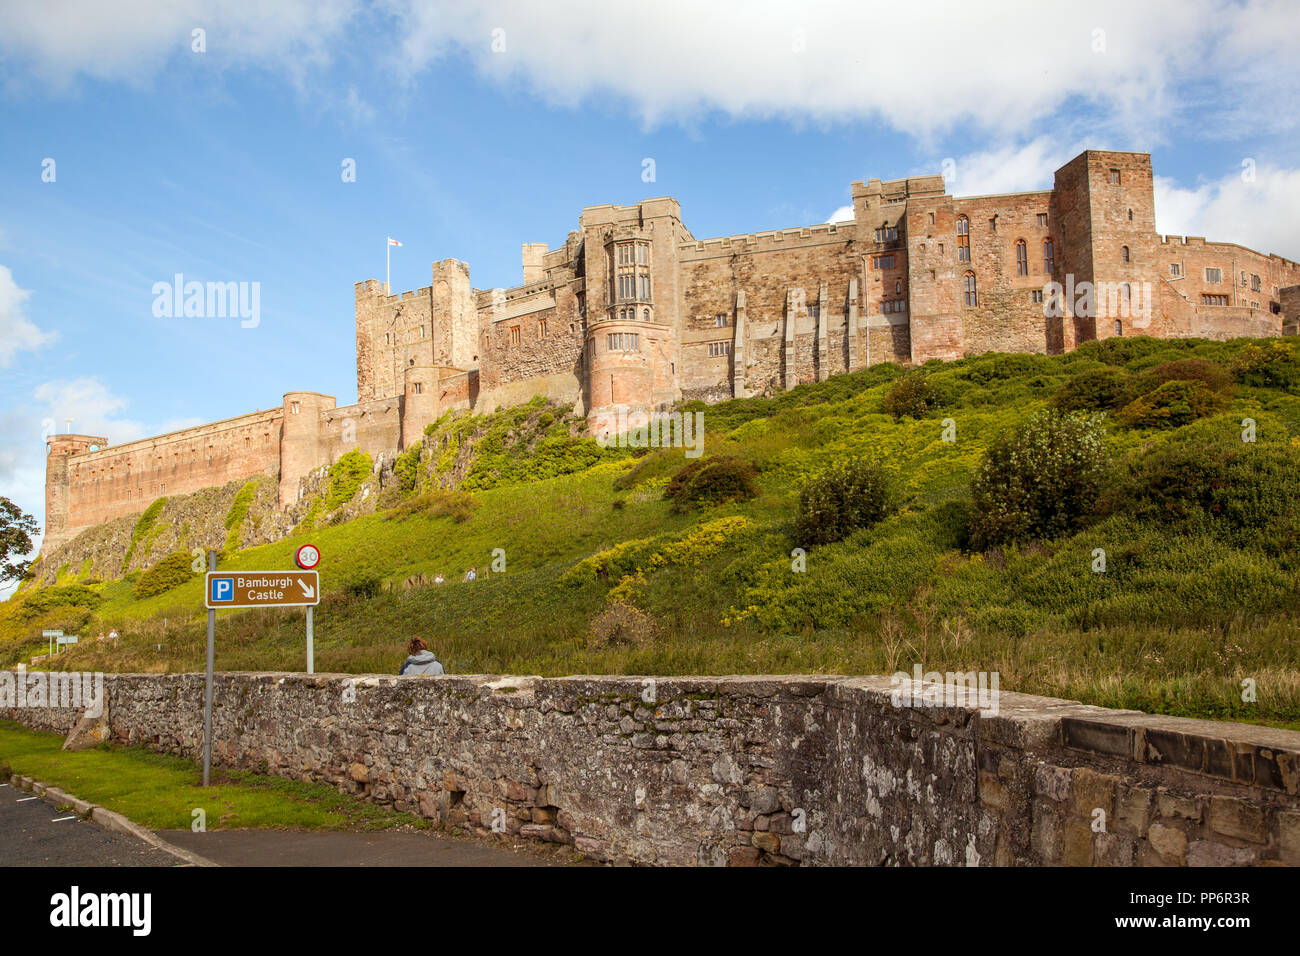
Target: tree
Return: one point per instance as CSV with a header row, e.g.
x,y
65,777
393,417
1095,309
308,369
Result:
x,y
16,530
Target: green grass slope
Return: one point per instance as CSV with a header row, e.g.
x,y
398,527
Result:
x,y
1195,613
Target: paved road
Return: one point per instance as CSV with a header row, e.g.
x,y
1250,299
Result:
x,y
328,848
35,833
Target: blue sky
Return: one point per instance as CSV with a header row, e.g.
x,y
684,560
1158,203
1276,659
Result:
x,y
476,129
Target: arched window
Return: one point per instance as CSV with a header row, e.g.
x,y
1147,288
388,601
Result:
x,y
1130,215
1125,300
963,239
1022,258
971,299
1123,253
1049,257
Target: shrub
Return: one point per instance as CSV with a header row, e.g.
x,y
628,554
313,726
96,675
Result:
x,y
847,496
1210,374
1171,405
62,596
142,527
172,571
1040,480
1245,492
711,481
346,476
1270,364
1096,390
407,467
913,394
365,587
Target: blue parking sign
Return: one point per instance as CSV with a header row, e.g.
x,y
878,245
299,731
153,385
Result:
x,y
221,590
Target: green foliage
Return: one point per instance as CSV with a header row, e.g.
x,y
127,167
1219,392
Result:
x,y
847,496
143,525
238,512
913,395
457,505
1170,405
1269,364
407,468
711,481
16,529
40,600
346,476
170,572
1210,374
1040,480
1096,390
1244,492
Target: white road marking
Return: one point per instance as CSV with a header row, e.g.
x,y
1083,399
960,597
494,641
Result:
x,y
25,799
60,819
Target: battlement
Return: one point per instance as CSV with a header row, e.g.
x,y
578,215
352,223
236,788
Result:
x,y
772,239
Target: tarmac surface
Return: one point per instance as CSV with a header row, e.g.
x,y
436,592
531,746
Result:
x,y
33,832
349,848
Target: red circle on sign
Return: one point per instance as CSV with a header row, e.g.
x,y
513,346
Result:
x,y
307,557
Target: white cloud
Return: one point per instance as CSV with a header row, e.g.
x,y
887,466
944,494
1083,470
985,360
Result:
x,y
1262,214
1007,67
17,333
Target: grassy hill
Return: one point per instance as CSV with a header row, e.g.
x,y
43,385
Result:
x,y
1198,518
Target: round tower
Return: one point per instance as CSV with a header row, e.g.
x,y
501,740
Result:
x,y
301,444
419,402
58,493
621,375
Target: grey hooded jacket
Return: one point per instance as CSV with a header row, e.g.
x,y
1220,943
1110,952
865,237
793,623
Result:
x,y
422,663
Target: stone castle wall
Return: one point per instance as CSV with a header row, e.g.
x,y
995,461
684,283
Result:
x,y
747,770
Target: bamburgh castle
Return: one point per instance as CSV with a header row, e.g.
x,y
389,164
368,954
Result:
x,y
633,313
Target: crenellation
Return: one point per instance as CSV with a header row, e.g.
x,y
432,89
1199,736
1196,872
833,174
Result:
x,y
634,313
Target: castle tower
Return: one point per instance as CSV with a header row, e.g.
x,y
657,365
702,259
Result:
x,y
1105,206
455,316
58,449
419,402
301,444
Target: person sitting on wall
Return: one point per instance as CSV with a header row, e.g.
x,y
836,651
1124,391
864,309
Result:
x,y
420,659
471,574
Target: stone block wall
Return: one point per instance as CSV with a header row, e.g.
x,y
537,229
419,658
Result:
x,y
748,770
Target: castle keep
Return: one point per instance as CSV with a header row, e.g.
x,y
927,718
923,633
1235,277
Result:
x,y
633,313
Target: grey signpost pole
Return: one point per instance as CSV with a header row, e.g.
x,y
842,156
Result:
x,y
207,684
311,653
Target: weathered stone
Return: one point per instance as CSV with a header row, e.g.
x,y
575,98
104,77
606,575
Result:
x,y
359,773
1169,842
1170,805
1133,809
1237,818
1077,844
89,732
767,842
1207,853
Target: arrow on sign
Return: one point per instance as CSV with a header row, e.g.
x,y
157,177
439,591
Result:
x,y
307,591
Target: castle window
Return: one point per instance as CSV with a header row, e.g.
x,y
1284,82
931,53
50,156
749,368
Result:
x,y
1022,258
971,298
1123,254
887,234
541,328
417,387
932,219
1254,287
515,335
1214,275
1243,278
720,321
1036,295
993,224
963,239
898,287
814,311
717,349
422,331
963,226
1114,177
882,262
1175,270
1213,299
1042,219
1049,256
293,408
1119,327
646,315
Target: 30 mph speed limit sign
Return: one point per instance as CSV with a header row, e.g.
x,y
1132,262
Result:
x,y
307,557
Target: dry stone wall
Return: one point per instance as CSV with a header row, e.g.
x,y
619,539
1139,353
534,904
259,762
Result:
x,y
747,770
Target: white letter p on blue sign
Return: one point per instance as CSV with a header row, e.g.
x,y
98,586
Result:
x,y
223,589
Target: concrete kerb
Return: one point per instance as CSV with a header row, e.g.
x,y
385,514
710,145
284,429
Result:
x,y
108,819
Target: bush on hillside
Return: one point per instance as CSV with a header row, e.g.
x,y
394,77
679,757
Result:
x,y
172,571
41,600
1040,480
1272,364
847,496
346,476
711,481
1171,405
914,395
1210,374
1096,390
1246,492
